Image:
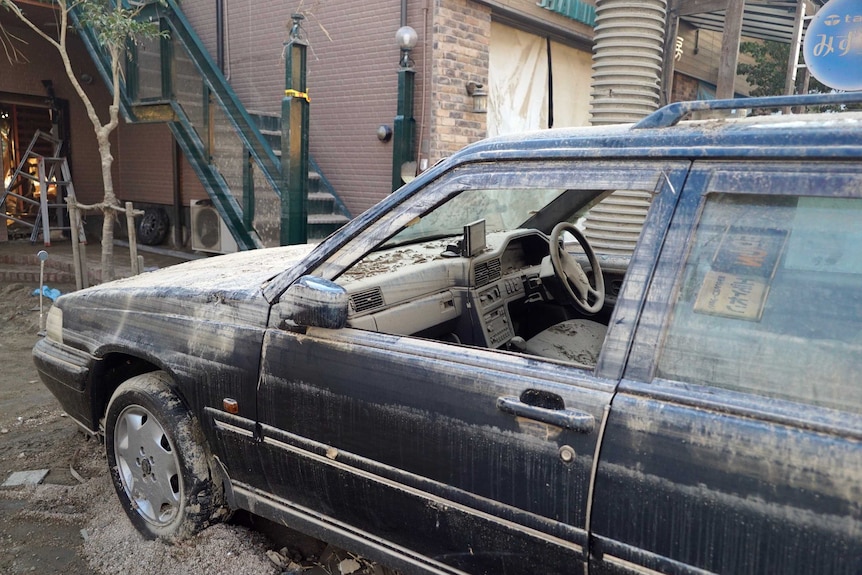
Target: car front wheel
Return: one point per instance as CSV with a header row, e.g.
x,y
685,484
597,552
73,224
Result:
x,y
158,461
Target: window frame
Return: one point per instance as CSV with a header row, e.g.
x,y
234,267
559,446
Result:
x,y
641,367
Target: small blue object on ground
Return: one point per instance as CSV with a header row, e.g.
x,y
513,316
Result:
x,y
51,293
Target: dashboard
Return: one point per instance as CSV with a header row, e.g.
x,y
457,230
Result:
x,y
429,290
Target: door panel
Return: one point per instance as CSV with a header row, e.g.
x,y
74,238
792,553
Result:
x,y
733,443
476,458
404,439
721,491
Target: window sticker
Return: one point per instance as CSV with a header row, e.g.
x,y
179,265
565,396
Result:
x,y
737,283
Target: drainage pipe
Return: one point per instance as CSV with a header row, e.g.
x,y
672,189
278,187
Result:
x,y
627,70
220,35
627,59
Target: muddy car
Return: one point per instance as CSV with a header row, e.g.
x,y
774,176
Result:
x,y
462,381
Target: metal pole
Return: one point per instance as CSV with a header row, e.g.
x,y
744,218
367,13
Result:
x,y
78,255
220,35
795,47
133,238
42,255
294,139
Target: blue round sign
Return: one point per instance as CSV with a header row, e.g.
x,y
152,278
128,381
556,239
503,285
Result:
x,y
833,45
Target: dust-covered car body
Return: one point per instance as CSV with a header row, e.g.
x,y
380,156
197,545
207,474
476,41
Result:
x,y
450,384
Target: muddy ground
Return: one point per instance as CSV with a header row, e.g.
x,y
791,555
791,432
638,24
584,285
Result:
x,y
72,522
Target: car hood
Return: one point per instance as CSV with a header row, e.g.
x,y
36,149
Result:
x,y
237,272
223,288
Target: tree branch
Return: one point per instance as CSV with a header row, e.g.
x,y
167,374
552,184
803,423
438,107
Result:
x,y
15,9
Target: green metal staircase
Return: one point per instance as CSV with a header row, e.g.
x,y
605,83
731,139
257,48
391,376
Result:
x,y
234,153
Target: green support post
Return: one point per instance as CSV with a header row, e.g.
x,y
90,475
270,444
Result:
x,y
248,191
294,140
132,69
404,124
404,127
166,52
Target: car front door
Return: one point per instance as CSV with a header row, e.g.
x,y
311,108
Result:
x,y
733,443
453,456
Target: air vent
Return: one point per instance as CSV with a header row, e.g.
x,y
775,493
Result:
x,y
487,272
366,300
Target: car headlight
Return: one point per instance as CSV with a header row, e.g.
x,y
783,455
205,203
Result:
x,y
54,324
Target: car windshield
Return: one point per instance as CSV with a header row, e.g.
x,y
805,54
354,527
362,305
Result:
x,y
502,209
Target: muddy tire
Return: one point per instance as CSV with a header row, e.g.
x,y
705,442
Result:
x,y
158,460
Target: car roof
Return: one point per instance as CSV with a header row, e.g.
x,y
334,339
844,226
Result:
x,y
662,135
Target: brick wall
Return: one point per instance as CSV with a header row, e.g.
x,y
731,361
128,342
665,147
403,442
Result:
x,y
684,88
353,81
461,36
351,76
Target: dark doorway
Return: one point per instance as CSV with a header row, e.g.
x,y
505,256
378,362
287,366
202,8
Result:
x,y
21,116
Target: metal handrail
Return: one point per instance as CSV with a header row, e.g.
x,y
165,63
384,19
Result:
x,y
184,131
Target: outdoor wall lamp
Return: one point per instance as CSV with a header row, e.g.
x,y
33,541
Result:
x,y
480,97
384,133
406,38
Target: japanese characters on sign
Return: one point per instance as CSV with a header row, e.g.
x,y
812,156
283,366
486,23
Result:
x,y
740,273
833,45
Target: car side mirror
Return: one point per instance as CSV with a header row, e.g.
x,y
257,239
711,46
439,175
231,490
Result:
x,y
314,302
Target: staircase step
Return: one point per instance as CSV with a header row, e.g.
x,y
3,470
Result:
x,y
321,219
321,203
266,121
314,186
321,226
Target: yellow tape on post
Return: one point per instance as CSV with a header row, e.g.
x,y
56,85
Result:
x,y
298,94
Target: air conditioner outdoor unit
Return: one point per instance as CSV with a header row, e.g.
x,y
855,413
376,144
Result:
x,y
209,232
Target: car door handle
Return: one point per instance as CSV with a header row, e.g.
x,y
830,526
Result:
x,y
579,421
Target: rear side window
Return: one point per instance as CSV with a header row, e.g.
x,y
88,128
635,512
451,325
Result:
x,y
771,300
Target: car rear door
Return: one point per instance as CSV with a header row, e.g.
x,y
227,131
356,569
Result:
x,y
452,456
733,443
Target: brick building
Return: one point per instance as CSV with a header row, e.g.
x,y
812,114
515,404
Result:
x,y
352,74
532,59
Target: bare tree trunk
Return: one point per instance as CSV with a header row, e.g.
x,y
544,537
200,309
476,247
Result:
x,y
108,214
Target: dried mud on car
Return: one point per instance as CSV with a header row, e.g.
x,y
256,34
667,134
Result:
x,y
72,522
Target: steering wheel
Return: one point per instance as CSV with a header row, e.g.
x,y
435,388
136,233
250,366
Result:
x,y
571,274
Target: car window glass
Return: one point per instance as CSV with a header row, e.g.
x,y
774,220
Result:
x,y
768,301
418,281
502,209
